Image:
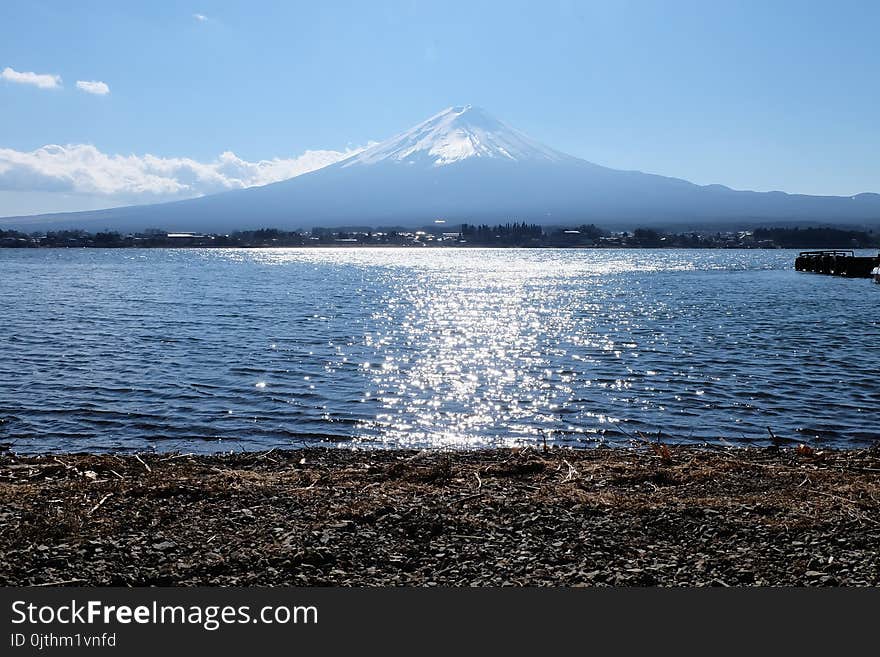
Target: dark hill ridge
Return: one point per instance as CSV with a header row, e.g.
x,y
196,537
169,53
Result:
x,y
464,165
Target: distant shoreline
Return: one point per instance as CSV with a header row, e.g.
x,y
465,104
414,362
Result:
x,y
510,235
416,248
462,247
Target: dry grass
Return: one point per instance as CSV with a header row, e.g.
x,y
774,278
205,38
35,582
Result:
x,y
675,515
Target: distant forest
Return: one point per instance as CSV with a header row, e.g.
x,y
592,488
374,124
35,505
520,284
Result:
x,y
499,235
817,238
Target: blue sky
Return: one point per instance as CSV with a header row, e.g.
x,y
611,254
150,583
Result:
x,y
755,95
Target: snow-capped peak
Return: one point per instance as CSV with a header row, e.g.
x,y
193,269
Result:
x,y
455,134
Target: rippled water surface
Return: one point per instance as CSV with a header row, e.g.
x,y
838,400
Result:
x,y
203,350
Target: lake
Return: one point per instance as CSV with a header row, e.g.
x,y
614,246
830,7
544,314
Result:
x,y
210,350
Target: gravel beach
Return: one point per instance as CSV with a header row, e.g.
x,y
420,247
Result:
x,y
650,515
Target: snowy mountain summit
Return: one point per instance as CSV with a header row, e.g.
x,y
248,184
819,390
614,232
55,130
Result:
x,y
463,165
453,135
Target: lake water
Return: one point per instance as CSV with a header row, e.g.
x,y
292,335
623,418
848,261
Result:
x,y
206,350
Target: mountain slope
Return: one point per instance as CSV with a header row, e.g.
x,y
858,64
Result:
x,y
464,165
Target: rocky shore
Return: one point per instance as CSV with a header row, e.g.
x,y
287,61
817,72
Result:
x,y
651,515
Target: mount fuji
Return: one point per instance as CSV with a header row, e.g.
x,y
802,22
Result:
x,y
463,165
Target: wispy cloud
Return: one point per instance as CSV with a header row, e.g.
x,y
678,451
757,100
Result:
x,y
93,87
41,80
123,179
201,18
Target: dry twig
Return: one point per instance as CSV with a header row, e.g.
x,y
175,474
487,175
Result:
x,y
98,505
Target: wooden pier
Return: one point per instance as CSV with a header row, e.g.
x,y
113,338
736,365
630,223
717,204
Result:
x,y
836,263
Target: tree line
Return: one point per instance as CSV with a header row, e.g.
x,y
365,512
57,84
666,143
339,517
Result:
x,y
510,234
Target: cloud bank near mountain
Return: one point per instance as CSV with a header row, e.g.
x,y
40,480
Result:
x,y
82,169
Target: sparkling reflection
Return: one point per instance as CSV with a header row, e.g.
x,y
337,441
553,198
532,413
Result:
x,y
220,349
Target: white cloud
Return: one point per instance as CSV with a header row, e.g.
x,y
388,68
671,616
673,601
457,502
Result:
x,y
93,87
201,18
41,80
82,169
